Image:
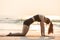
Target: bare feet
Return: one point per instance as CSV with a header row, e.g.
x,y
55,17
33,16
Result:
x,y
15,34
10,34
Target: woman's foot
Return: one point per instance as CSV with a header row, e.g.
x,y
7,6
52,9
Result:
x,y
15,34
9,34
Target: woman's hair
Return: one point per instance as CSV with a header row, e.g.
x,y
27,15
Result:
x,y
50,30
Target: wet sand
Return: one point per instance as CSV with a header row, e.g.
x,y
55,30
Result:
x,y
34,36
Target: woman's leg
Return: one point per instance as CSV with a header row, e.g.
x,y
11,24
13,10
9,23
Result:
x,y
24,32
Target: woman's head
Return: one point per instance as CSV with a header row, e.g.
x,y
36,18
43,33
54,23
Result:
x,y
47,20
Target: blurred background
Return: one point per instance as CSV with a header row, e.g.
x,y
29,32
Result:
x,y
14,12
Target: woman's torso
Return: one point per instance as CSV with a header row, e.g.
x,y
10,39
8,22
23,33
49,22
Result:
x,y
30,20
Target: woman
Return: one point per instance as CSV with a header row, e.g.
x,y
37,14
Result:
x,y
39,18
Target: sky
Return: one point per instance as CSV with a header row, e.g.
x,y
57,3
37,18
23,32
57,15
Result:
x,y
28,8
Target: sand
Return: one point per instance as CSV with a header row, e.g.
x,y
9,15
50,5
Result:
x,y
34,36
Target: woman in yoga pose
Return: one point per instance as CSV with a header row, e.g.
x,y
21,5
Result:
x,y
39,18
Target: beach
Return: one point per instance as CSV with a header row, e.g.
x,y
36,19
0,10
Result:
x,y
31,36
33,33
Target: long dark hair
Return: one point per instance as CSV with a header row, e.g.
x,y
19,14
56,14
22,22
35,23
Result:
x,y
50,29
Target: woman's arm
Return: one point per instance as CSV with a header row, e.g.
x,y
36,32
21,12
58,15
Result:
x,y
42,26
